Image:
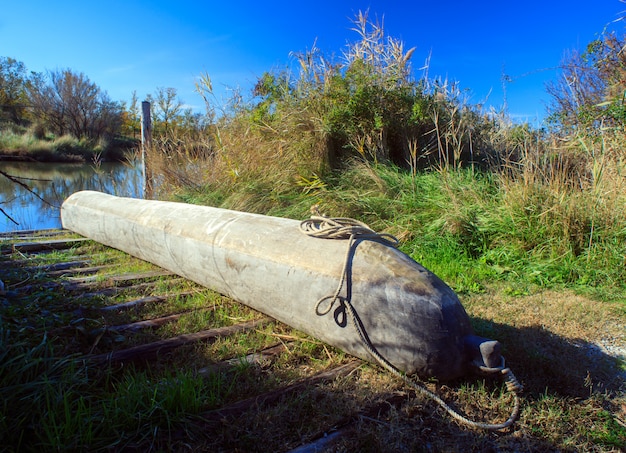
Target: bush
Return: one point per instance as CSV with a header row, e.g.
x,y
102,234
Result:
x,y
39,131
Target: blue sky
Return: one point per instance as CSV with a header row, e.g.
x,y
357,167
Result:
x,y
133,45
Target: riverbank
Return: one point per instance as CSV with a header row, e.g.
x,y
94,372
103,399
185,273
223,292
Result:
x,y
26,147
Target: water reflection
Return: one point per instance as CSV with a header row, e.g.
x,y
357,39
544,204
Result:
x,y
52,183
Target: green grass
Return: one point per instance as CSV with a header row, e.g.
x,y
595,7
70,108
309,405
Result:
x,y
528,270
463,225
26,146
51,400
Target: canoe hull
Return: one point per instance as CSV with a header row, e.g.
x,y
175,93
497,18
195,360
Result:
x,y
412,318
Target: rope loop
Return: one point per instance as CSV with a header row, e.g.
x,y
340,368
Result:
x,y
333,299
323,227
512,384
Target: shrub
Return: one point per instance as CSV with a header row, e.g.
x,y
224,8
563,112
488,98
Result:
x,y
39,131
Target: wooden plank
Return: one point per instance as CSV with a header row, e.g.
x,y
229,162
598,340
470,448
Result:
x,y
119,280
148,323
109,291
123,278
86,279
89,285
322,443
23,264
39,246
9,263
149,350
29,234
271,397
254,358
78,270
67,286
145,300
57,266
26,262
323,440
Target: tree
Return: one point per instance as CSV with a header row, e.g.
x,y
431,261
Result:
x,y
592,87
71,104
13,98
167,108
132,117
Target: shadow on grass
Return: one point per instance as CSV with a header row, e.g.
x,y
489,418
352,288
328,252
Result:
x,y
548,363
557,373
398,421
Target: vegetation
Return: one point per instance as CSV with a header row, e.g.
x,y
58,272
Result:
x,y
63,116
71,104
13,95
528,226
23,144
361,138
590,93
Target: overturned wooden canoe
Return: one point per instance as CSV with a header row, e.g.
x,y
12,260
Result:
x,y
411,317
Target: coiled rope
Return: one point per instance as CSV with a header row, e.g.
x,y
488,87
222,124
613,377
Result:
x,y
320,226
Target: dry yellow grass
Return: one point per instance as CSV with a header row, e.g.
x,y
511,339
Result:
x,y
562,312
558,342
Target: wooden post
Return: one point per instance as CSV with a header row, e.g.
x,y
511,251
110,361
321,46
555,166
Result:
x,y
146,146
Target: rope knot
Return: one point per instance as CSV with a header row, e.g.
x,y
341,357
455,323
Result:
x,y
512,384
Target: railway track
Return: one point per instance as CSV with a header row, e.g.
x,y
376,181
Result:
x,y
272,388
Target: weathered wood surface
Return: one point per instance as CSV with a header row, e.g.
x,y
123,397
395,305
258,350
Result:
x,y
136,303
146,351
148,323
112,290
106,287
74,266
254,358
325,439
271,397
29,234
39,246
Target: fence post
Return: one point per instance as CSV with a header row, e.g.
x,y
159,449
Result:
x,y
146,146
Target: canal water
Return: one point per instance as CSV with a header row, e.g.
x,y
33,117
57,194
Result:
x,y
34,202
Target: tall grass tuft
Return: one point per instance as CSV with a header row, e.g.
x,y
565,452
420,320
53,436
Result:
x,y
30,388
567,205
62,403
